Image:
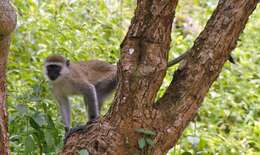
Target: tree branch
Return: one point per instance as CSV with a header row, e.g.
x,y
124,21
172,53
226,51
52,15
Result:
x,y
201,68
7,25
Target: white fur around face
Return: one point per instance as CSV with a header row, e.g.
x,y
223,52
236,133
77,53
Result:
x,y
64,70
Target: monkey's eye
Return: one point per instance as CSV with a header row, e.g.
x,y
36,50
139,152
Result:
x,y
67,62
55,68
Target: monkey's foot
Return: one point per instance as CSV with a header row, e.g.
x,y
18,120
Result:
x,y
78,128
95,120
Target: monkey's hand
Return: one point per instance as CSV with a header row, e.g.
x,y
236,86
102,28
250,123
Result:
x,y
69,132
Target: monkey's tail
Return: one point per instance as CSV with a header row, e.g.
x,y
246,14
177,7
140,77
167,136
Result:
x,y
177,60
183,56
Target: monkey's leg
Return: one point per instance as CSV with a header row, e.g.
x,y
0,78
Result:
x,y
101,98
91,101
104,89
64,106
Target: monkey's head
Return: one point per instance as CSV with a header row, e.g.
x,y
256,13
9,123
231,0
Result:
x,y
55,66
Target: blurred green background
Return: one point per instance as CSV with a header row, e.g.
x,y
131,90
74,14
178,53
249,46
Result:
x,y
227,123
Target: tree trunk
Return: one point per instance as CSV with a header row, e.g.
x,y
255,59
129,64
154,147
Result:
x,y
7,25
141,69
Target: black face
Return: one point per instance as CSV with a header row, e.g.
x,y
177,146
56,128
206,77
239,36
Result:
x,y
53,71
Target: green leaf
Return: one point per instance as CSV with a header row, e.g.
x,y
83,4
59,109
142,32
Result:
x,y
39,118
36,89
35,98
141,143
50,122
39,136
149,141
34,124
146,131
49,139
83,152
202,143
186,153
29,144
22,109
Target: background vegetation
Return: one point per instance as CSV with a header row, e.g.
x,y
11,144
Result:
x,y
227,123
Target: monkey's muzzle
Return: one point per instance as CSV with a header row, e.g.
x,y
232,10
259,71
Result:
x,y
53,75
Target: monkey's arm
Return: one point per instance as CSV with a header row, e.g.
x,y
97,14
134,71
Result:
x,y
64,106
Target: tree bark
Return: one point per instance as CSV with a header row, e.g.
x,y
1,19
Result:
x,y
141,69
7,25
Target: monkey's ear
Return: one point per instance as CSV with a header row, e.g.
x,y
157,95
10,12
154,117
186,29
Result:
x,y
68,62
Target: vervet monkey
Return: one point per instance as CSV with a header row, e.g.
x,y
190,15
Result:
x,y
94,80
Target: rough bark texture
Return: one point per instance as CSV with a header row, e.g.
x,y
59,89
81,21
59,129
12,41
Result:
x,y
7,25
141,69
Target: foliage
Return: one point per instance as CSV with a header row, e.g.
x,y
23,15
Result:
x,y
228,122
83,152
146,138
